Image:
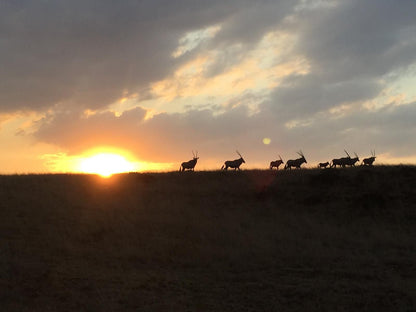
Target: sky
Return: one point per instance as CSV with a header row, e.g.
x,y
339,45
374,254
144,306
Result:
x,y
156,80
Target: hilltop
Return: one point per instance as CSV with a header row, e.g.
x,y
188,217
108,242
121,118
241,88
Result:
x,y
256,240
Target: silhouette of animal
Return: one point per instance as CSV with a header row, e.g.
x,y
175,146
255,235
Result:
x,y
233,163
296,162
351,161
344,161
276,163
369,161
190,165
323,165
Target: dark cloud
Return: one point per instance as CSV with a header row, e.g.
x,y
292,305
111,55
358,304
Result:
x,y
301,96
88,53
359,39
351,47
250,22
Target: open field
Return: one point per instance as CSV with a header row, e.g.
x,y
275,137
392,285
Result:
x,y
305,240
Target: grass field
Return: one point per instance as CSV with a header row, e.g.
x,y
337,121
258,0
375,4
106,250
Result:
x,y
300,240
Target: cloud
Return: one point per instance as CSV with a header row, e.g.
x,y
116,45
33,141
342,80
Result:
x,y
352,48
168,137
77,132
156,139
358,39
299,73
88,53
299,96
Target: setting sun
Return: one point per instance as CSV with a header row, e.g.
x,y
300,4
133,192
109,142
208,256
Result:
x,y
106,164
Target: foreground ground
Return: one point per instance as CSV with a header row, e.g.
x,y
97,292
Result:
x,y
306,240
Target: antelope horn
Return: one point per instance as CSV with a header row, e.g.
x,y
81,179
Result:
x,y
355,154
280,158
347,153
239,154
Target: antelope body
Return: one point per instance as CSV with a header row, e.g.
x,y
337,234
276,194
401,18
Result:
x,y
344,161
276,163
190,165
352,161
296,162
369,161
233,163
323,165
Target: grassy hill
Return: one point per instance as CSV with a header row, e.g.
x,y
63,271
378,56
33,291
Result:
x,y
305,240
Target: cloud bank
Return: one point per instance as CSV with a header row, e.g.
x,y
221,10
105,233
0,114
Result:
x,y
214,76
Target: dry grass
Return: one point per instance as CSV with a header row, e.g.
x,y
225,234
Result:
x,y
307,240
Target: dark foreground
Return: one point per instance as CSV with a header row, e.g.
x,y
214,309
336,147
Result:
x,y
307,240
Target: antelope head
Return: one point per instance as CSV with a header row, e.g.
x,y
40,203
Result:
x,y
300,153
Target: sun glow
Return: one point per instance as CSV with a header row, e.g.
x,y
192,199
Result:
x,y
106,164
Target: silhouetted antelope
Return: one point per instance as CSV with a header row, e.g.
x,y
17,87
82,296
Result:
x,y
342,162
369,161
233,163
339,162
323,165
276,163
190,165
296,162
351,161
